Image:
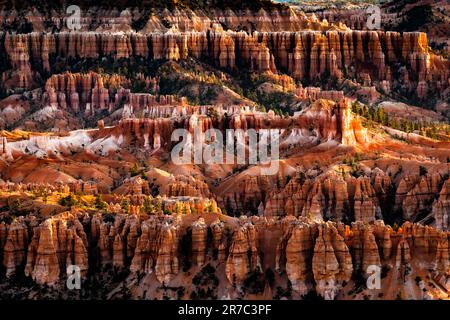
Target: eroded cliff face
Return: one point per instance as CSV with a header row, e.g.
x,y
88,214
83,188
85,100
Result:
x,y
57,243
92,92
173,16
317,223
371,56
395,16
323,121
332,196
315,255
338,195
331,262
243,254
441,209
15,242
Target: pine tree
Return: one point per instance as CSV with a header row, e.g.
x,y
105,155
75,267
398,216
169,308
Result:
x,y
125,204
147,206
99,203
134,171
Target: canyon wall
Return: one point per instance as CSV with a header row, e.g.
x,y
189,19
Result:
x,y
323,121
270,17
339,195
92,92
314,255
371,56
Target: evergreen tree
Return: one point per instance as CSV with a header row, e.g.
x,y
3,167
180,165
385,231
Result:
x,y
147,206
99,203
125,204
134,171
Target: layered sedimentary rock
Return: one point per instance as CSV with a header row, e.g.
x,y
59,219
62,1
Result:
x,y
166,260
324,121
243,255
337,250
133,186
3,234
299,250
188,186
309,55
17,52
296,217
331,196
332,262
15,245
91,93
57,243
442,262
392,16
199,237
314,254
219,240
403,256
441,207
418,196
330,120
365,248
365,201
315,93
157,249
175,16
415,194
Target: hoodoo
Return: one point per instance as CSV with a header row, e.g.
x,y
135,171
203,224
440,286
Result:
x,y
173,150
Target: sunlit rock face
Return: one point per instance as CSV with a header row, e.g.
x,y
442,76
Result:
x,y
305,55
88,177
315,255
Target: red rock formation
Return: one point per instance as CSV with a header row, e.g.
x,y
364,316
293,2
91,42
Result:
x,y
146,248
133,186
92,92
306,54
441,207
219,239
3,145
415,193
157,250
299,256
58,242
105,243
166,260
365,201
403,256
147,133
442,262
320,254
189,187
243,255
131,232
3,235
331,196
199,235
15,247
332,263
332,120
21,75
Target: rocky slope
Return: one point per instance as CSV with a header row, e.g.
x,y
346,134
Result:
x,y
88,178
325,120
